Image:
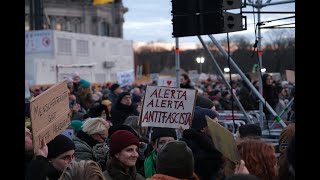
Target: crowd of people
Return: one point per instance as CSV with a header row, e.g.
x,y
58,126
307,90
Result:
x,y
108,142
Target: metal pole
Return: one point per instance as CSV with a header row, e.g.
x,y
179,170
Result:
x,y
200,67
177,52
38,14
31,15
113,20
259,68
283,111
225,81
234,65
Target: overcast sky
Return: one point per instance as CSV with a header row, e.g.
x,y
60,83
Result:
x,y
150,20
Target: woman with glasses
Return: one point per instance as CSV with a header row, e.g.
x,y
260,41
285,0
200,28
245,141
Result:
x,y
90,142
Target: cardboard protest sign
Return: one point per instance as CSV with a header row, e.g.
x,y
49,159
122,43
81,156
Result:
x,y
168,107
290,76
49,113
223,140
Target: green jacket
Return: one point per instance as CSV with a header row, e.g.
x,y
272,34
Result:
x,y
83,151
116,171
150,164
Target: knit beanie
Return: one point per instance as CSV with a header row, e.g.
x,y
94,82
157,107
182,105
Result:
x,y
76,124
114,87
158,132
84,83
121,95
175,159
120,140
60,144
199,121
106,102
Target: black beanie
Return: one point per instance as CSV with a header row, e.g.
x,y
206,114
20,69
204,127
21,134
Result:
x,y
158,132
60,144
114,87
175,159
199,121
121,95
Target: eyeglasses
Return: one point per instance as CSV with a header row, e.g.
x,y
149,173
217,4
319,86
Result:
x,y
67,157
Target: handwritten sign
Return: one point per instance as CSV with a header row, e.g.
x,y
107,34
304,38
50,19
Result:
x,y
223,140
168,107
49,113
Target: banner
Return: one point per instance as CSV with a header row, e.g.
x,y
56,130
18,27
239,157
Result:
x,y
125,78
49,114
290,76
168,107
38,41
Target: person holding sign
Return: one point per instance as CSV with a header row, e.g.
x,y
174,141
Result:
x,y
208,160
51,159
159,137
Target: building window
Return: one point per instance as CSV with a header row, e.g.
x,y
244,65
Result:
x,y
104,29
82,48
64,46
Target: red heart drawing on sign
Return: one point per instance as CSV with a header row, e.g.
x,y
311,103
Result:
x,y
169,82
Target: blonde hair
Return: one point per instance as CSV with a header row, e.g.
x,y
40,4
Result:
x,y
83,170
94,126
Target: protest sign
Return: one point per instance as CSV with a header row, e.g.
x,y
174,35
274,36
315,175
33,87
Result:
x,y
290,76
168,107
223,140
49,114
125,78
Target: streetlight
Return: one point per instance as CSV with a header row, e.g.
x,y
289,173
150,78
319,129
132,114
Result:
x,y
226,69
263,70
200,60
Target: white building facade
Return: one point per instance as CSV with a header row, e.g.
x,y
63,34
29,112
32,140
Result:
x,y
50,55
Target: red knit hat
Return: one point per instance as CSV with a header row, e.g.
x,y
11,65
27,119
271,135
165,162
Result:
x,y
120,140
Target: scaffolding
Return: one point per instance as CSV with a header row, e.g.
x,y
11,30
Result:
x,y
260,25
